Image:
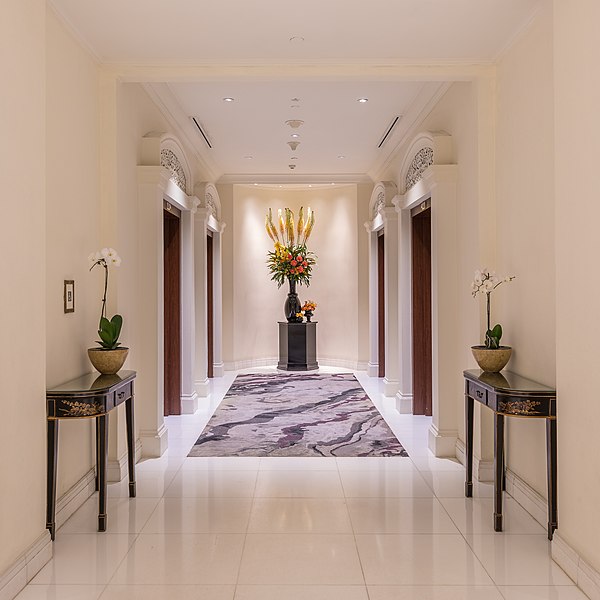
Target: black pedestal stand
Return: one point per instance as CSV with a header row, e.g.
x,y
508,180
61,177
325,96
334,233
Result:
x,y
298,346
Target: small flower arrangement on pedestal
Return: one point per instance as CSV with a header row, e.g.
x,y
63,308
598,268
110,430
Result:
x,y
308,308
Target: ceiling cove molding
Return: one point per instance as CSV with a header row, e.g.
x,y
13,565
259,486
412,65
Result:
x,y
208,196
180,124
411,123
165,150
381,198
294,179
428,148
438,71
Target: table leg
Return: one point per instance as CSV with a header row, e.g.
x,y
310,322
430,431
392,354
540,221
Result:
x,y
97,482
101,466
498,469
130,445
52,458
469,444
552,473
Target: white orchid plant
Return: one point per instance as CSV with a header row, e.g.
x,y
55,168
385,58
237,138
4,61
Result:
x,y
485,282
109,331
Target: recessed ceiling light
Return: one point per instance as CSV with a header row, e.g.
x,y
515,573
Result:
x,y
293,145
341,156
248,157
294,106
295,100
228,99
296,39
363,100
332,183
310,185
256,184
294,123
295,135
294,158
280,186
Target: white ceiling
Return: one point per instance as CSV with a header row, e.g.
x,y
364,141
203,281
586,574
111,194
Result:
x,y
147,34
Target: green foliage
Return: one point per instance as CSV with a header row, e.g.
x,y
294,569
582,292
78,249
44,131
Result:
x,y
109,332
492,337
294,263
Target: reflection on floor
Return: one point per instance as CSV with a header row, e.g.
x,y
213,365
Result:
x,y
301,528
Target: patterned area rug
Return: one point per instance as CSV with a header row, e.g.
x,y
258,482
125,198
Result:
x,y
297,415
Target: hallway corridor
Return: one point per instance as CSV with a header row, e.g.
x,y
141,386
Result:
x,y
300,528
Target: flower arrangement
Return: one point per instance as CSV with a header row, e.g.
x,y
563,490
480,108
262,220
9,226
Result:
x,y
309,305
485,282
108,331
290,259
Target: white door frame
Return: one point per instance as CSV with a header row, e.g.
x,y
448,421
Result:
x,y
384,217
436,180
207,219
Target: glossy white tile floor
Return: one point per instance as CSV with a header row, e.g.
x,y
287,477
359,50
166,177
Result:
x,y
301,528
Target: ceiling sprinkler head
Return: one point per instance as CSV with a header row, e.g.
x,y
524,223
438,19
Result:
x,y
293,145
294,123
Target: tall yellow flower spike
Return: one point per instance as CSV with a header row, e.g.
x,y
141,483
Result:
x,y
272,227
309,226
290,226
268,228
300,223
281,226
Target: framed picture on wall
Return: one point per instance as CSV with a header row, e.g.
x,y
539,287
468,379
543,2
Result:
x,y
69,295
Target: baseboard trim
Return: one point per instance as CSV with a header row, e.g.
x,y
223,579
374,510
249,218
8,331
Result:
x,y
271,362
189,403
483,470
154,442
218,369
404,403
373,369
117,468
442,442
390,387
535,504
584,575
202,388
25,567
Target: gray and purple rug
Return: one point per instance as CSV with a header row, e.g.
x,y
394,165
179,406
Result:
x,y
297,415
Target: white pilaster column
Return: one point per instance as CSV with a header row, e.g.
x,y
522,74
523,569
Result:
x,y
446,372
391,380
149,385
218,366
404,396
373,365
189,396
200,303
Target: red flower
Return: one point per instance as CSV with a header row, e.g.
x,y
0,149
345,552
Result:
x,y
289,256
293,263
300,269
305,264
299,258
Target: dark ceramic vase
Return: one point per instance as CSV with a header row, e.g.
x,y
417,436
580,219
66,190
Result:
x,y
308,314
292,304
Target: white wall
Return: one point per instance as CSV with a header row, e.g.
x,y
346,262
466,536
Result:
x,y
72,230
258,304
22,272
577,148
525,229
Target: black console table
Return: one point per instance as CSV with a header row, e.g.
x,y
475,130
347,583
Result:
x,y
510,395
298,346
90,396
